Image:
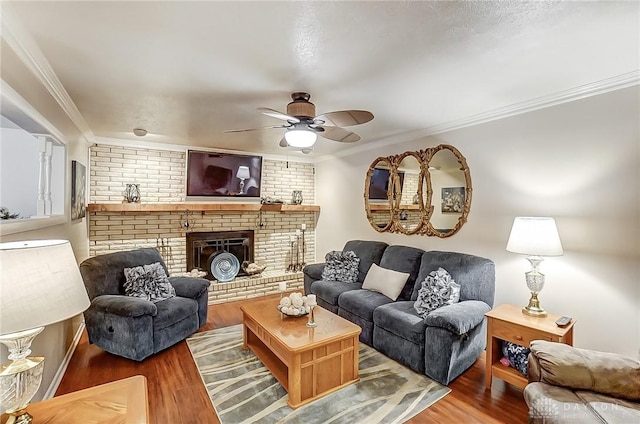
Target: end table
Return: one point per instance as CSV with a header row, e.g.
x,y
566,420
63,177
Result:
x,y
507,322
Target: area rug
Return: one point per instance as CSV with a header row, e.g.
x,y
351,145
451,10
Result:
x,y
242,390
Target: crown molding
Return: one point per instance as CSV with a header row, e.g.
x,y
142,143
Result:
x,y
32,57
607,85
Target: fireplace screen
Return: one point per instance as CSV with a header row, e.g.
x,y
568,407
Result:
x,y
202,248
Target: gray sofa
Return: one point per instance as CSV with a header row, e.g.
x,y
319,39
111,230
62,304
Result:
x,y
443,345
132,327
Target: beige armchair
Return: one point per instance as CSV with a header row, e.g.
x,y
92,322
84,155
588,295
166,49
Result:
x,y
571,385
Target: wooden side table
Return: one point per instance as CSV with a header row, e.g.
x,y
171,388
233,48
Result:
x,y
119,402
507,322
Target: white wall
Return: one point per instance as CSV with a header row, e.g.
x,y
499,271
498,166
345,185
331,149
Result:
x,y
56,340
578,162
19,198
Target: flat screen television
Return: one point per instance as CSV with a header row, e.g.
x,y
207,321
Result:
x,y
380,183
223,174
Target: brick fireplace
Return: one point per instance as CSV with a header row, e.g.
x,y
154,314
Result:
x,y
160,174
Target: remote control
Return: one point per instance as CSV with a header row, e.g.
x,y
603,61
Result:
x,y
563,321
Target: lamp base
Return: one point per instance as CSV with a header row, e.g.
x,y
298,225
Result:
x,y
20,417
533,308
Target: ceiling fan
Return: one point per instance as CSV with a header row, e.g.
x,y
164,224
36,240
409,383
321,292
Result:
x,y
303,126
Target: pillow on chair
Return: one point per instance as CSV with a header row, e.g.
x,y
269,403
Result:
x,y
148,282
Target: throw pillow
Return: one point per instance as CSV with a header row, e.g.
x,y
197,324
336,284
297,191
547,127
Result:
x,y
341,266
437,290
385,281
518,356
148,282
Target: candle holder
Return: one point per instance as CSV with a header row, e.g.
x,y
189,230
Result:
x,y
311,321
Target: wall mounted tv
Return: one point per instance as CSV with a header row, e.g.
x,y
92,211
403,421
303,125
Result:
x,y
223,174
380,183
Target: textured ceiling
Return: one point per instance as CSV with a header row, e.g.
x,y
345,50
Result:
x,y
186,71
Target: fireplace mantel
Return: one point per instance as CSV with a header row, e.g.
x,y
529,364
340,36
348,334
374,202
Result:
x,y
217,207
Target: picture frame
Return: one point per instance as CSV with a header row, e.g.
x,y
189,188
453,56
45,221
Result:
x,y
453,199
78,189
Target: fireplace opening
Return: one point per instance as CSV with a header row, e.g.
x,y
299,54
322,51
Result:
x,y
202,247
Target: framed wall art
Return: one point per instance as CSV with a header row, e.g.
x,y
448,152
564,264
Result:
x,y
78,188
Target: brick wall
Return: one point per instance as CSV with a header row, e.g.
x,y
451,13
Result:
x,y
161,176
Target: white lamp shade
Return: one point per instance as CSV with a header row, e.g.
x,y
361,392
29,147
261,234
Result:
x,y
536,236
40,284
243,172
300,138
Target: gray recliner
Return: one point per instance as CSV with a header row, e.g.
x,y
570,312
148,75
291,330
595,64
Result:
x,y
133,327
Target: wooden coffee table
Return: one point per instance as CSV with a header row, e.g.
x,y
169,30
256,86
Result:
x,y
308,362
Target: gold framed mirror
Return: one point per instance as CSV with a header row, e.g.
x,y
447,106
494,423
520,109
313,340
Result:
x,y
426,192
378,194
451,190
408,182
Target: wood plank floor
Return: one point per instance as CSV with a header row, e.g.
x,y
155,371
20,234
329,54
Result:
x,y
177,395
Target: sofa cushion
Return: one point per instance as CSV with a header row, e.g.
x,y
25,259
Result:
x,y
437,290
403,259
476,275
362,302
175,309
148,282
341,266
369,252
402,320
329,291
547,405
385,281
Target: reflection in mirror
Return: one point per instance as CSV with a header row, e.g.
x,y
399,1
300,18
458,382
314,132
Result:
x,y
451,189
408,218
376,194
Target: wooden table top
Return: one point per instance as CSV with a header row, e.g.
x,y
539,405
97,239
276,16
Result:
x,y
293,332
513,314
119,402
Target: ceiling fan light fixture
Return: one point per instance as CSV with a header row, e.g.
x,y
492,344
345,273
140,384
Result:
x,y
300,138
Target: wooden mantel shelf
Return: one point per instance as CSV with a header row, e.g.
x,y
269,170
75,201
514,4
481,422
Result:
x,y
215,207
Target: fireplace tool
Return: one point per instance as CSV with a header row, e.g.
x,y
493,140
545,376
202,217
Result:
x,y
291,267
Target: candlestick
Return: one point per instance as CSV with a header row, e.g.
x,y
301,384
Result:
x,y
311,322
282,286
298,233
311,300
303,226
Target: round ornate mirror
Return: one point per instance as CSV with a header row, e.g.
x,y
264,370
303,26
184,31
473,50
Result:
x,y
409,198
450,182
377,194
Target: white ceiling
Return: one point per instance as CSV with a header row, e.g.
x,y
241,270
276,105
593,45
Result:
x,y
186,71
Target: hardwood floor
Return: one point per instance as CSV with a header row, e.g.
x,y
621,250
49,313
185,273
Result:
x,y
177,395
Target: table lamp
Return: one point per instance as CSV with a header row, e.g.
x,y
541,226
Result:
x,y
534,237
40,284
243,174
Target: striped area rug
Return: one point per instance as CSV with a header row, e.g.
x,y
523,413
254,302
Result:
x,y
242,390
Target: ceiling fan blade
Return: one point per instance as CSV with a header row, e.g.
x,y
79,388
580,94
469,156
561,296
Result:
x,y
283,143
339,134
255,129
345,118
278,115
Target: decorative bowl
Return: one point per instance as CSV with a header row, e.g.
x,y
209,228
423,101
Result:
x,y
301,313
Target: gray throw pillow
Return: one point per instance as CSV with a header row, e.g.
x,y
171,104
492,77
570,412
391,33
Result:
x,y
148,282
341,266
437,290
